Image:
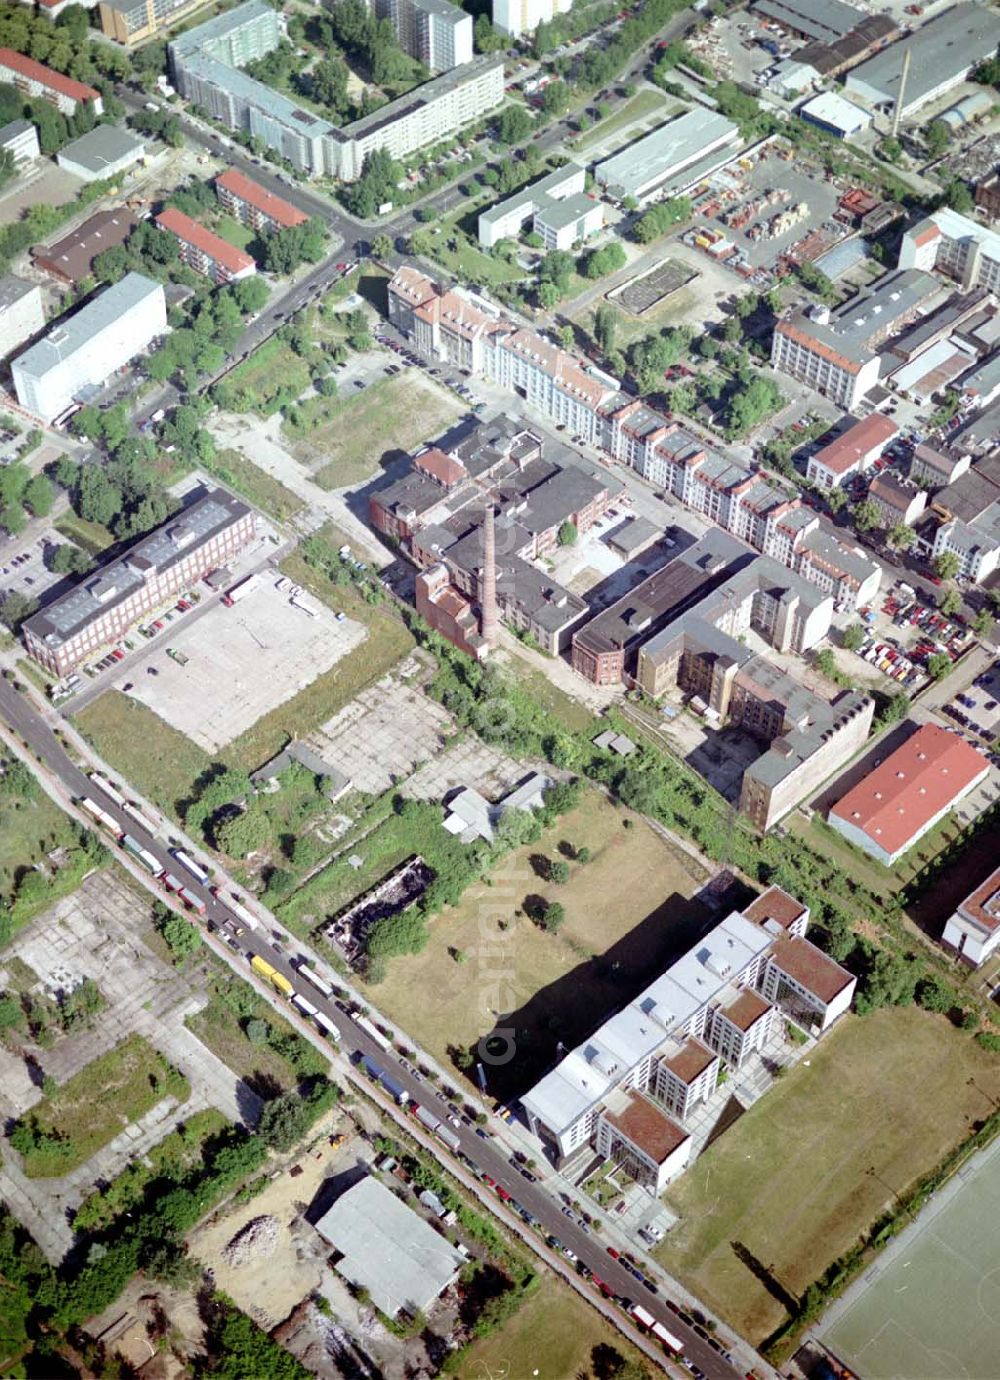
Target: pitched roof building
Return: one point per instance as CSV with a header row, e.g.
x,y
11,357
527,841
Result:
x,y
254,205
916,786
853,452
205,251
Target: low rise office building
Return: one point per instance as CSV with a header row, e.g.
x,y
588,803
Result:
x,y
631,1088
895,805
204,251
21,313
108,603
253,205
81,351
33,79
557,206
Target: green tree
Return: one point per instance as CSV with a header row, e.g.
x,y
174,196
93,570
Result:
x,y
938,665
244,833
553,917
179,935
983,624
867,515
946,565
937,137
853,637
567,534
949,602
599,263
605,326
901,538
382,246
515,125
559,872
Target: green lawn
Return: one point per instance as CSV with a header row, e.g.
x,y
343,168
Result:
x,y
94,1106
256,485
159,760
574,716
350,436
643,104
810,1166
234,232
90,536
271,1066
29,828
474,265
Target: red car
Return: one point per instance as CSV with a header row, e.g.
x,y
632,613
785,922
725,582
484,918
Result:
x,y
118,654
503,1194
613,1253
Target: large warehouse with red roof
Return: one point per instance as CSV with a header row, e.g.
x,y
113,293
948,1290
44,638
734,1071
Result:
x,y
896,804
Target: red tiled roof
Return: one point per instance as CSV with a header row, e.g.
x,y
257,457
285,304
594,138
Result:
x,y
983,905
775,904
647,1127
188,230
857,441
748,1008
896,801
55,81
279,210
444,468
810,967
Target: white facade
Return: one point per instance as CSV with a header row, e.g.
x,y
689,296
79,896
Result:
x,y
21,313
517,17
20,140
689,141
85,349
556,205
435,32
953,244
842,379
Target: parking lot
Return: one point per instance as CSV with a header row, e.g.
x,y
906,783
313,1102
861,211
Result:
x,y
204,678
978,707
22,564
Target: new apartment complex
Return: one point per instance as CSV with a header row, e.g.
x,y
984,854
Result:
x,y
206,63
205,251
21,313
254,205
33,79
436,513
82,350
435,32
955,245
916,786
472,333
837,353
972,932
155,570
631,1088
557,206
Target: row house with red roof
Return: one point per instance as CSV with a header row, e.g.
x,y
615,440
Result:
x,y
204,251
35,80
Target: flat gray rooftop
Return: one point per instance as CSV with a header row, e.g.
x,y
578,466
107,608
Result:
x,y
76,332
942,49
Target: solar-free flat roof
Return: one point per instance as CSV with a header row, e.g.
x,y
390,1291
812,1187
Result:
x,y
103,147
12,289
75,332
826,19
943,49
669,148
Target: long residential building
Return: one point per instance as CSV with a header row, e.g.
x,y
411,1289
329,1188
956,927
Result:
x,y
21,313
517,17
204,251
102,609
435,32
206,63
131,21
37,81
470,332
254,205
83,350
632,1087
837,353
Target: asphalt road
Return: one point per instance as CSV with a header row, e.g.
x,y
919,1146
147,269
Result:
x,y
485,1156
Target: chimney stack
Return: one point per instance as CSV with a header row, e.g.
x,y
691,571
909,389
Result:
x,y
490,628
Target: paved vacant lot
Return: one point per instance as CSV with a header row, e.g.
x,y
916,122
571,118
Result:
x,y
241,663
806,1170
95,933
468,762
384,733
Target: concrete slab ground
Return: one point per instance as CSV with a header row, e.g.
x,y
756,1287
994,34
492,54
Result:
x,y
384,734
220,692
467,763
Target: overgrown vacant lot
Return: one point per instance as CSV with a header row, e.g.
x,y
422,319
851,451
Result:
x,y
96,1104
350,436
801,1176
627,911
30,825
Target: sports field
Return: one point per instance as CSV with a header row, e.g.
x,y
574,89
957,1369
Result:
x,y
931,1307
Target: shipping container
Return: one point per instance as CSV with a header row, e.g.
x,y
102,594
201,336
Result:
x,y
171,882
306,1007
103,784
189,865
142,855
315,980
670,1342
142,820
101,816
326,1025
192,901
240,590
427,1118
643,1317
446,1134
372,1031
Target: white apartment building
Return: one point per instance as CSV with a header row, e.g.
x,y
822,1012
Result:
x,y
557,206
38,81
954,245
20,140
517,17
435,32
83,350
972,932
629,1088
21,313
